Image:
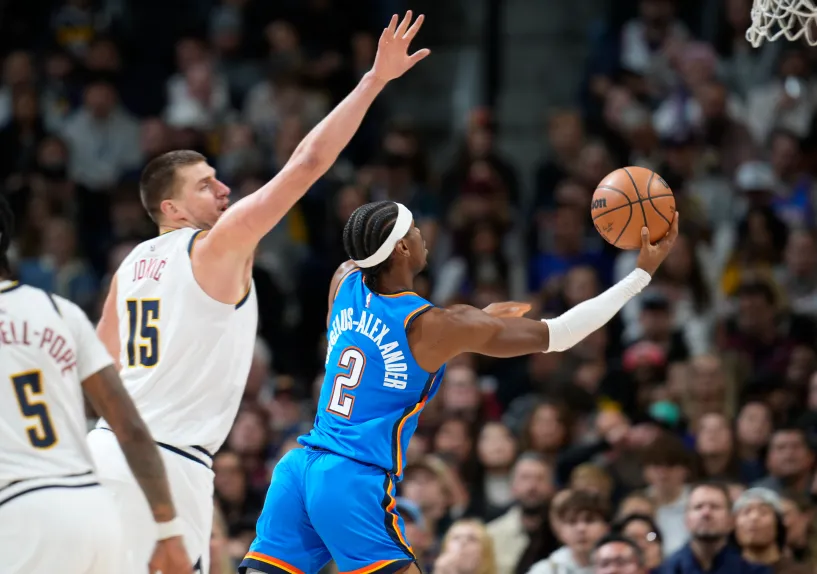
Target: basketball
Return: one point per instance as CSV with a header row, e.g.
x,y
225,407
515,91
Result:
x,y
627,200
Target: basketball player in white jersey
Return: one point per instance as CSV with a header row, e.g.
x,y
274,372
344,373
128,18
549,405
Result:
x,y
181,313
54,515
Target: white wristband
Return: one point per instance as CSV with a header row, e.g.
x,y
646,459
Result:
x,y
577,323
170,529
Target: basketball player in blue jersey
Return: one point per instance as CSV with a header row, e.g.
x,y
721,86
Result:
x,y
386,356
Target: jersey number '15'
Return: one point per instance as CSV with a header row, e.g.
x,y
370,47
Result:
x,y
352,361
28,388
143,318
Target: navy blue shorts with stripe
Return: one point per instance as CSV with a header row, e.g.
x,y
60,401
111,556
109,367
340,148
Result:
x,y
323,506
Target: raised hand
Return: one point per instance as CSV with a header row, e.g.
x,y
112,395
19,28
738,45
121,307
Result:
x,y
392,59
651,256
507,309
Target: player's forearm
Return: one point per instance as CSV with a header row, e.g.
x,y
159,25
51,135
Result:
x,y
112,402
573,326
146,464
516,337
322,146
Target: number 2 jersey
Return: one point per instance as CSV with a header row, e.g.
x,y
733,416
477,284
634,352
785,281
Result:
x,y
184,356
47,348
373,391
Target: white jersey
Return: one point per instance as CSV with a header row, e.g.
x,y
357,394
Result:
x,y
47,348
185,357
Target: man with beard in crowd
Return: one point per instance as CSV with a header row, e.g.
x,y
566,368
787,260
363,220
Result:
x,y
532,488
709,521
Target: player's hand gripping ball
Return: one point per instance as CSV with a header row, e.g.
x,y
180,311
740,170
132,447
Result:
x,y
627,200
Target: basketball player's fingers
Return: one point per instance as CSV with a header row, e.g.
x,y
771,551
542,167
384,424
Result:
x,y
418,55
645,238
412,32
401,29
392,25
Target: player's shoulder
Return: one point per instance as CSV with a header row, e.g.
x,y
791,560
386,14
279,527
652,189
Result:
x,y
66,308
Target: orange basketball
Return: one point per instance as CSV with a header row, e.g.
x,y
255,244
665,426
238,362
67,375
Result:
x,y
627,200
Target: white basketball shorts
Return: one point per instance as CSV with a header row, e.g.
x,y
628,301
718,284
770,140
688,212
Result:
x,y
71,530
191,485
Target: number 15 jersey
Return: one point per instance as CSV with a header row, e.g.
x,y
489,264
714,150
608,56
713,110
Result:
x,y
373,391
184,356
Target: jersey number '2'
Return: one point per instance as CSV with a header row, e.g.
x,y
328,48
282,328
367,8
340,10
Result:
x,y
143,316
353,362
28,387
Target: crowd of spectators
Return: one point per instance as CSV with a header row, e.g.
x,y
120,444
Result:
x,y
679,438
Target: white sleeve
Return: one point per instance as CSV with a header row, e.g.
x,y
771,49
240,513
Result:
x,y
571,327
92,356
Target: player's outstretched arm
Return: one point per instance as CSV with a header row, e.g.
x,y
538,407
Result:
x,y
441,334
242,226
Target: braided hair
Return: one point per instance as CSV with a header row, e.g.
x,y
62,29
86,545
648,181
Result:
x,y
368,227
6,229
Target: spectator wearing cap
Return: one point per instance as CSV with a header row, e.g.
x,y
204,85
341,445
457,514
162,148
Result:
x,y
532,488
617,554
583,521
709,521
790,462
642,529
760,531
417,533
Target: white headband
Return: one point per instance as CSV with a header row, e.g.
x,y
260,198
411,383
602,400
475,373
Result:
x,y
401,227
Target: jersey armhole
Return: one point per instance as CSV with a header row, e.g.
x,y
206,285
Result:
x,y
411,317
53,302
342,281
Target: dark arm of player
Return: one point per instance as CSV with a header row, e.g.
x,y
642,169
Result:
x,y
342,271
111,401
441,334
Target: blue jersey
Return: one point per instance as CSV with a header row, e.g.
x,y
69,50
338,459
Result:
x,y
374,390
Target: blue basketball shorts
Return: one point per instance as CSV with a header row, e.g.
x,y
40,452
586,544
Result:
x,y
323,506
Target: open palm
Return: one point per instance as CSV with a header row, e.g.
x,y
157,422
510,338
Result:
x,y
393,59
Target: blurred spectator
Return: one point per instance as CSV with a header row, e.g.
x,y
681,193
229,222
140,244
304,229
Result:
x,y
641,529
18,73
790,462
709,520
615,554
531,487
584,520
785,102
760,531
59,269
466,549
667,473
103,139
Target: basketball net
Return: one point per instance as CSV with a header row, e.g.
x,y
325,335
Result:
x,y
793,19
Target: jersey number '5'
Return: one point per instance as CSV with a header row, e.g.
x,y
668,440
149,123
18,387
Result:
x,y
352,361
143,317
28,387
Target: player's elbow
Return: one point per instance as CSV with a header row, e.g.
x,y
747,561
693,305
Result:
x,y
310,161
